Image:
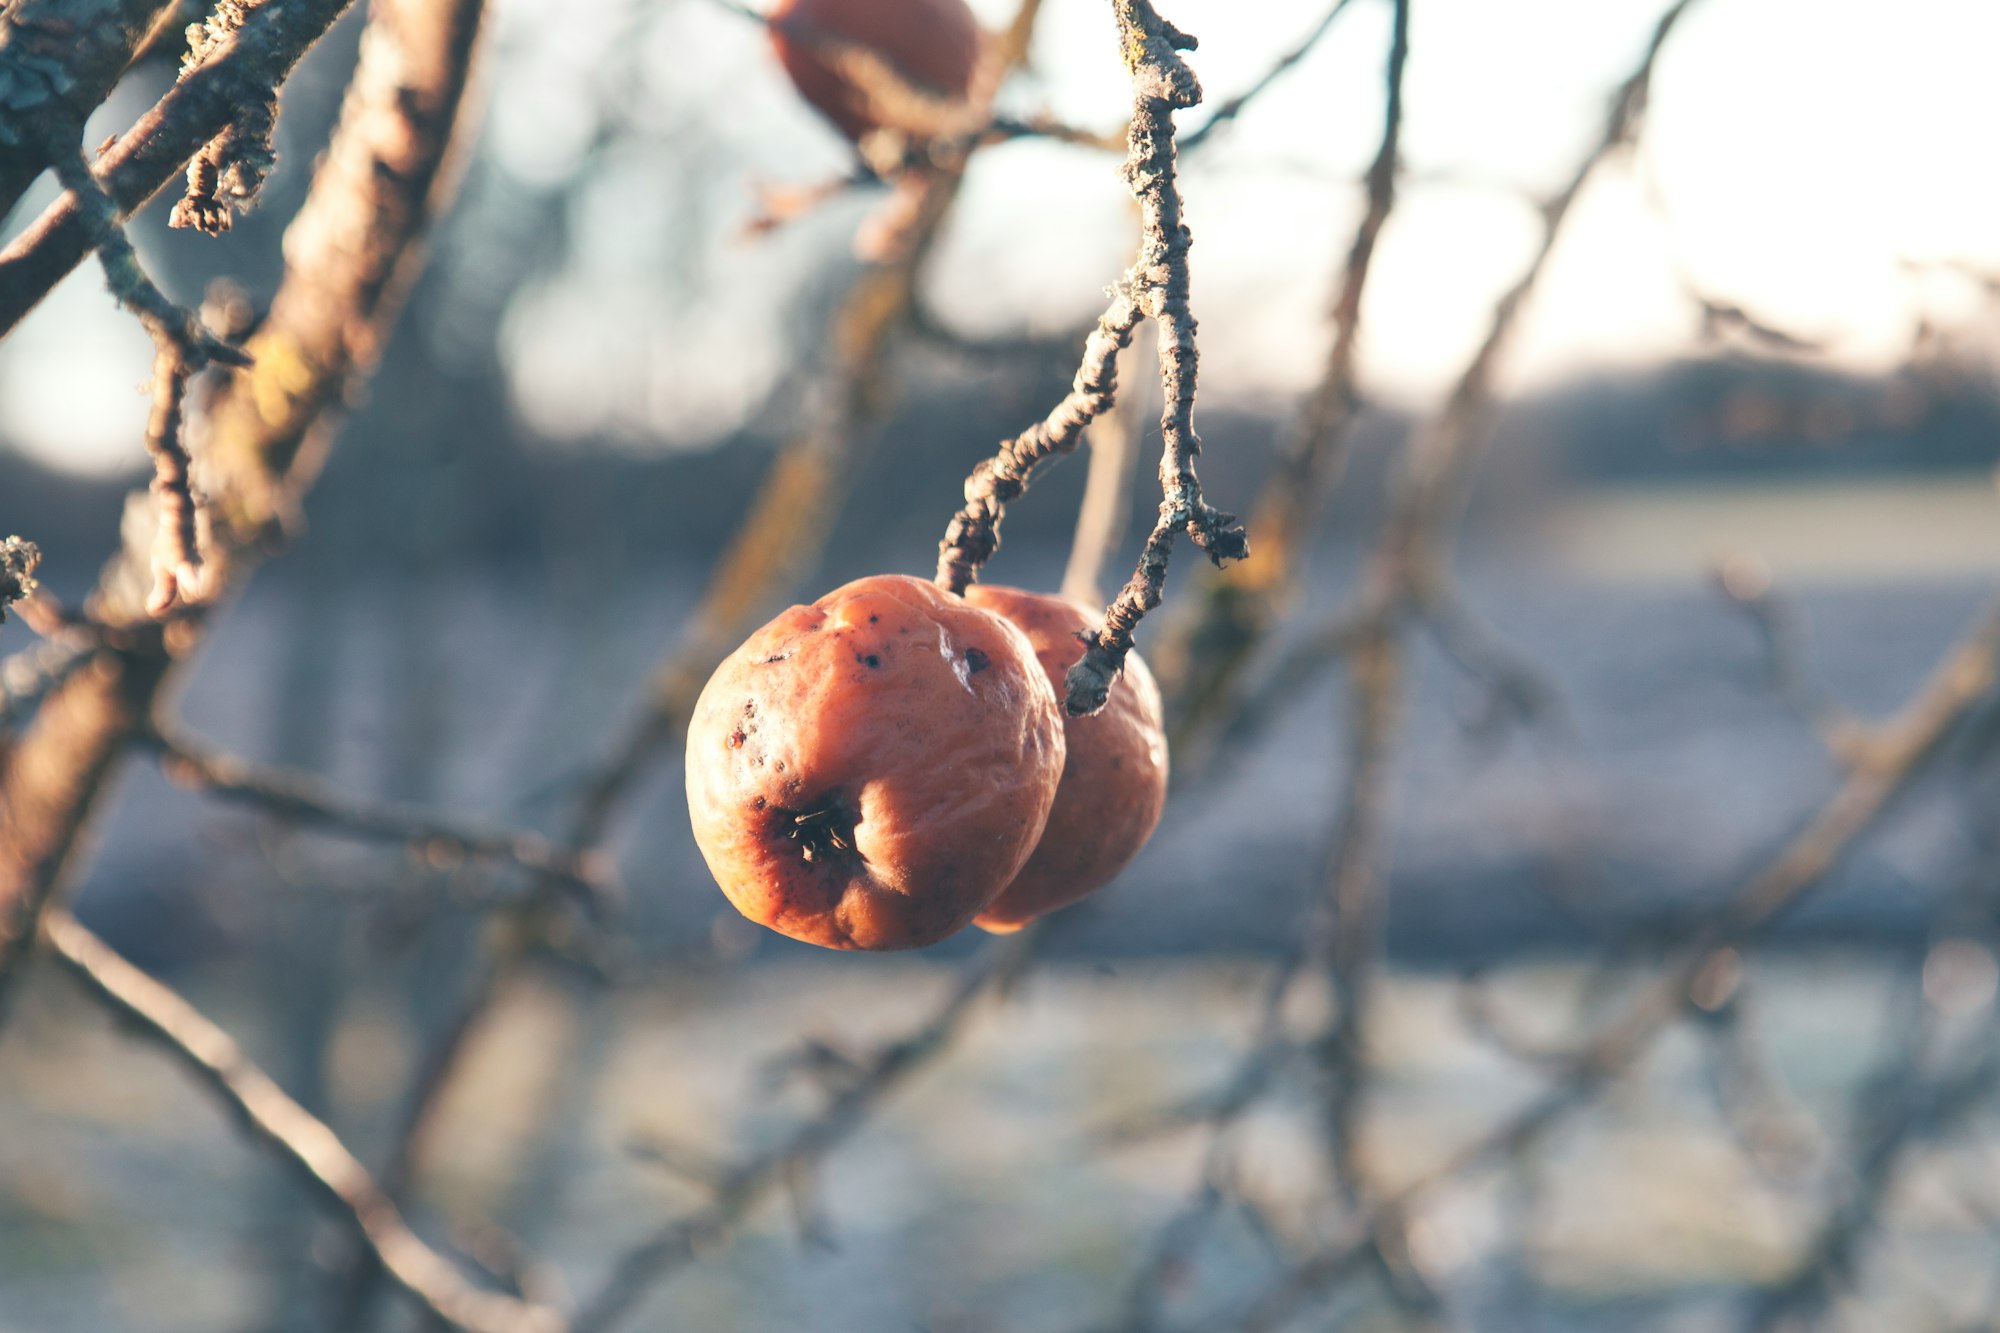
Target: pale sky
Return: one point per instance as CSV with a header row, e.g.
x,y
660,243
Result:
x,y
1801,149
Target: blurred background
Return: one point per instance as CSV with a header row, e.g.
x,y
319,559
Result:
x,y
1737,502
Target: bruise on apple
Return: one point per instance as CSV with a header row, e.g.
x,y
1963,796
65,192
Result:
x,y
1114,782
867,772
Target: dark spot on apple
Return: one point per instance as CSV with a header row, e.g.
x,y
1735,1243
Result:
x,y
824,833
976,661
736,739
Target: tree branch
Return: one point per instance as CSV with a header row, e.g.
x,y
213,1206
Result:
x,y
307,800
1107,496
780,536
311,1149
1963,682
245,67
1208,649
1155,287
757,1177
348,252
1229,110
1410,569
59,60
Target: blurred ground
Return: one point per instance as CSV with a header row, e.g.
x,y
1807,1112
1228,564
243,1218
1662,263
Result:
x,y
984,1198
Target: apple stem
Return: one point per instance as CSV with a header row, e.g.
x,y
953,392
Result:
x,y
1155,287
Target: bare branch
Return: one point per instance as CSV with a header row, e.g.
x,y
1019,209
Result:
x,y
782,534
755,1178
1235,106
304,799
974,532
1443,455
183,346
177,565
246,67
305,1143
1963,682
1516,687
1746,581
128,280
1155,287
59,59
1107,495
1410,567
1919,1104
1353,895
1162,85
27,677
347,253
1208,650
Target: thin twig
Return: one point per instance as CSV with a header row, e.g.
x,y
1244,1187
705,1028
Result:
x,y
1443,454
1208,649
60,59
1235,106
1155,287
974,533
254,60
1922,1086
305,1143
27,677
1745,580
1410,570
177,566
1162,84
304,799
744,1185
183,347
782,534
1353,897
354,236
1962,683
1107,494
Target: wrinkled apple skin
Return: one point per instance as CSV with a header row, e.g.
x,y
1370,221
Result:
x,y
934,44
915,734
1114,782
